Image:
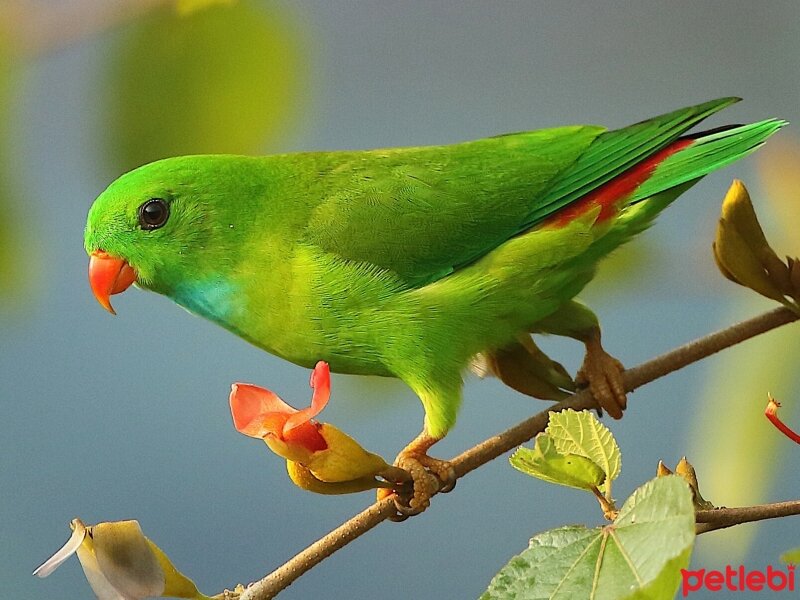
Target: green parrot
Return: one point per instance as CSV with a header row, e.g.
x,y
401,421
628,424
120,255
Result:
x,y
414,263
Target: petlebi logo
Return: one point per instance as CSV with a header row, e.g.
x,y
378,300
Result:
x,y
738,579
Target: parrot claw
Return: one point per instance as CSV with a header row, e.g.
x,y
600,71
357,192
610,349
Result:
x,y
443,470
602,374
410,502
429,475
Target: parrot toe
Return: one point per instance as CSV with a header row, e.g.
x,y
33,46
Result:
x,y
602,374
442,469
414,499
429,476
425,486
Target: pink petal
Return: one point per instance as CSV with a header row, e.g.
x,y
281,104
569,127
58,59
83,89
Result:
x,y
321,384
258,412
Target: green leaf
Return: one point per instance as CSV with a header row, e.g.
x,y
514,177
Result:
x,y
224,79
639,556
545,462
582,434
791,556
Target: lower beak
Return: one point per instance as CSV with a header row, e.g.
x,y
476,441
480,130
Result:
x,y
109,275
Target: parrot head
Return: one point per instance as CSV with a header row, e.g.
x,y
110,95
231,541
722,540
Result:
x,y
163,224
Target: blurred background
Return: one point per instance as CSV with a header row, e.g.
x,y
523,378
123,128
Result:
x,y
116,418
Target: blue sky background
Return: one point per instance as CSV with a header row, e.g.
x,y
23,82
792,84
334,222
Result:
x,y
114,418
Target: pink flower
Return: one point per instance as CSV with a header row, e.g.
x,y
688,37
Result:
x,y
321,458
260,413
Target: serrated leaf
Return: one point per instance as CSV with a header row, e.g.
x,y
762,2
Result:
x,y
791,557
223,80
543,461
639,556
582,434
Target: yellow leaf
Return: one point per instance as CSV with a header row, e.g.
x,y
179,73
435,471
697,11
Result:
x,y
737,209
740,262
125,558
176,585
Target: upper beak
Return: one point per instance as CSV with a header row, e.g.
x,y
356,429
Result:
x,y
109,275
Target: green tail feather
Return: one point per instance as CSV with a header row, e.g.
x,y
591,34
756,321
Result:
x,y
613,152
678,173
706,154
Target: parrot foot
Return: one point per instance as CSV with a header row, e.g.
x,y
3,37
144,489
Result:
x,y
429,475
602,374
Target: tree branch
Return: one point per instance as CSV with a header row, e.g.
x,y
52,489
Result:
x,y
720,518
499,444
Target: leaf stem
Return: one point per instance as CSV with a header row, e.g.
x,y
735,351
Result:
x,y
607,504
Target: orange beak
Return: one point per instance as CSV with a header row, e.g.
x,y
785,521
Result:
x,y
109,275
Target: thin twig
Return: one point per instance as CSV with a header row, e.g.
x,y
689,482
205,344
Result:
x,y
719,518
499,444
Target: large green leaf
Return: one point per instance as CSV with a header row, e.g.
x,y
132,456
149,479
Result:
x,y
639,556
221,79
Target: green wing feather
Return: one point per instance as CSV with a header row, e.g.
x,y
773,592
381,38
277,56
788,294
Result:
x,y
618,150
420,212
446,206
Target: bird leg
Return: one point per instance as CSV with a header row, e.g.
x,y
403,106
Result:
x,y
521,365
430,475
602,374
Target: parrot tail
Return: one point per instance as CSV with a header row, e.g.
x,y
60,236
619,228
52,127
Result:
x,y
672,171
699,154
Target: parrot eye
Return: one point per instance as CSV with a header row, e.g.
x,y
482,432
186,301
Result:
x,y
153,214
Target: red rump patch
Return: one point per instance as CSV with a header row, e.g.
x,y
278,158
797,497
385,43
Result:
x,y
609,195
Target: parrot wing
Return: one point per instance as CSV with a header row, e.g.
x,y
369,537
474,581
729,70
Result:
x,y
423,213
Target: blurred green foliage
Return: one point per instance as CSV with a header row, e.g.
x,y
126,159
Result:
x,y
224,78
186,7
8,238
733,444
736,451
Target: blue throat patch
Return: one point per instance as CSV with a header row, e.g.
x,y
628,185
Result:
x,y
212,299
